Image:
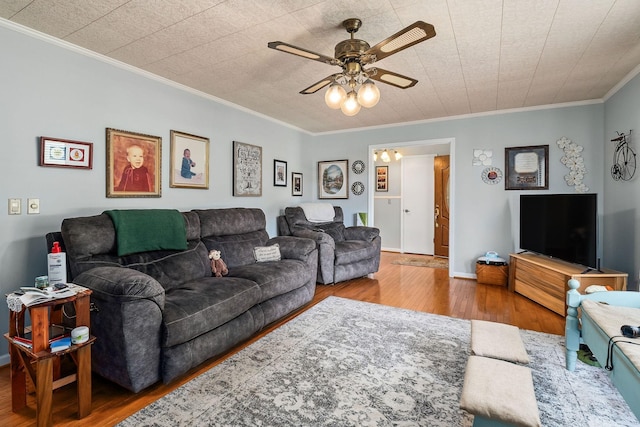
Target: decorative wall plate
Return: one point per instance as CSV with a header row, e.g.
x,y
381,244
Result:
x,y
492,175
358,166
357,188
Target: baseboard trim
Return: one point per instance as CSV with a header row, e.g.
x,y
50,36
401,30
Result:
x,y
5,359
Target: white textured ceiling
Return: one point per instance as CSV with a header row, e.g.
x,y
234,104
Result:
x,y
487,55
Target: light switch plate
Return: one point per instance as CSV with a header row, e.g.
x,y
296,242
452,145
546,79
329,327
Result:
x,y
15,207
33,206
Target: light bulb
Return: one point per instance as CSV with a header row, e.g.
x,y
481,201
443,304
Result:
x,y
335,96
398,155
368,94
375,156
350,106
385,157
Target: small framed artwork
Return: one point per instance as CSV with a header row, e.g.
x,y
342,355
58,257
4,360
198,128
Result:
x,y
382,178
296,184
333,179
527,168
279,173
65,153
189,161
247,170
133,164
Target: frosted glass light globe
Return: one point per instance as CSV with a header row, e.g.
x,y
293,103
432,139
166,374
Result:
x,y
368,94
350,106
335,96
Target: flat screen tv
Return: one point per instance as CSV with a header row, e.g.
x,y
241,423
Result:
x,y
560,226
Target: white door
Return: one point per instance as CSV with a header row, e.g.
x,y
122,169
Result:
x,y
417,204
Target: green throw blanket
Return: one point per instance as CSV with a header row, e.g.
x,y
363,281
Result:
x,y
142,230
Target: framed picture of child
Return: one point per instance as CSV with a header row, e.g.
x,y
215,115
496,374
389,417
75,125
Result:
x,y
133,164
189,161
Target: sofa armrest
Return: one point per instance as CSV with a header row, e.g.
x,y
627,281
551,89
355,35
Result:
x,y
319,236
361,233
120,284
294,247
127,322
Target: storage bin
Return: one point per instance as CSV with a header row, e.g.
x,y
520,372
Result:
x,y
492,274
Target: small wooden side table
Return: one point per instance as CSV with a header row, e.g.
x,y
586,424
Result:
x,y
38,362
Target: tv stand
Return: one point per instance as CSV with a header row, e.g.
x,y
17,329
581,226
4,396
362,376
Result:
x,y
544,280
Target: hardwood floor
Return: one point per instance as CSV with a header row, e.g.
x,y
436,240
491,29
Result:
x,y
414,288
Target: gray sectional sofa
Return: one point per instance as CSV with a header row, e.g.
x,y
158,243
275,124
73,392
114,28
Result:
x,y
161,313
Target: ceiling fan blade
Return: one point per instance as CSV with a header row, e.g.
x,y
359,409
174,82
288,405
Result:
x,y
319,85
415,33
391,78
294,50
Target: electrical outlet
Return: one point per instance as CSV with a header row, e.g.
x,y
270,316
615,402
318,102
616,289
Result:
x,y
33,206
15,206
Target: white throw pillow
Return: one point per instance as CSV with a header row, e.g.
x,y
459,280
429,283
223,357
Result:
x,y
267,253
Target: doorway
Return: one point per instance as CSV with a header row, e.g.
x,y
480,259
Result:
x,y
443,146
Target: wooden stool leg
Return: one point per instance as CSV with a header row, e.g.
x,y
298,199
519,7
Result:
x,y
44,391
18,381
84,381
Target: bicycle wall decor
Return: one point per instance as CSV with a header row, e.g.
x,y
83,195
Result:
x,y
624,158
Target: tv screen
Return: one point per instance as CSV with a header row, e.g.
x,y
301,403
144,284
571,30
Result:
x,y
561,226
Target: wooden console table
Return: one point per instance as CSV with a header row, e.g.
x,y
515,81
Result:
x,y
38,362
544,280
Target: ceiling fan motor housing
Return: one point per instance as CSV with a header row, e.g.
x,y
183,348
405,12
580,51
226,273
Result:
x,y
350,49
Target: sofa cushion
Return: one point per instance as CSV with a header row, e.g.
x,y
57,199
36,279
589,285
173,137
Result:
x,y
276,277
202,305
224,222
93,239
350,251
170,268
237,249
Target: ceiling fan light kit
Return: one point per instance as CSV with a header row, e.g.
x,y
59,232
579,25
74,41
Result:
x,y
352,55
350,106
335,96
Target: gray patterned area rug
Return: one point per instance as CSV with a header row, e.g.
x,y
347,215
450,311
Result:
x,y
351,363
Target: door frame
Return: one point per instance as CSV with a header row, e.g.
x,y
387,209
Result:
x,y
452,185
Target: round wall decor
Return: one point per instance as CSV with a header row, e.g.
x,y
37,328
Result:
x,y
492,175
358,166
357,188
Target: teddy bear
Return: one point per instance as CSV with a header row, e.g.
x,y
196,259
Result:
x,y
218,266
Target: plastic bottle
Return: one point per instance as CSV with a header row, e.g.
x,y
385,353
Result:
x,y
57,265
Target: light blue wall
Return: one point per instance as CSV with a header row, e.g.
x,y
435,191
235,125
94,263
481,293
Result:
x,y
622,198
48,90
486,217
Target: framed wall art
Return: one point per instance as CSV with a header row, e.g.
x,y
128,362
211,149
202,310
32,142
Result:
x,y
279,173
189,163
333,179
133,164
382,178
296,184
526,168
247,170
65,153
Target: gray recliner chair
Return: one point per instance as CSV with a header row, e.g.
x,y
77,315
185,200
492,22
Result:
x,y
344,253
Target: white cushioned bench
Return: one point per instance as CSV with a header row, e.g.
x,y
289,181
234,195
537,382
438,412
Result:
x,y
498,341
499,393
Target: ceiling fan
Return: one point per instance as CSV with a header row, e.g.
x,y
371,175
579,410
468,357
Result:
x,y
352,55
